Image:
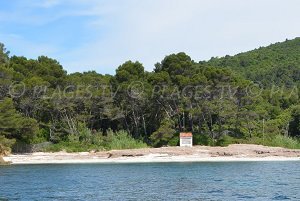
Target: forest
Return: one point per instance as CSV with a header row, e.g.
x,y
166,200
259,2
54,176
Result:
x,y
252,97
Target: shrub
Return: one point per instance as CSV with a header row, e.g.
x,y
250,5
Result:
x,y
226,140
164,134
202,139
42,135
96,141
121,140
273,141
174,141
5,145
283,141
73,147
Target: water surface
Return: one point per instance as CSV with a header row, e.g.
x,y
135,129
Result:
x,y
152,181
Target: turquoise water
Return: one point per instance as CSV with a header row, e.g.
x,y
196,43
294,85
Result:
x,y
156,181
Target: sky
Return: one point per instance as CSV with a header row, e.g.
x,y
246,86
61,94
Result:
x,y
100,35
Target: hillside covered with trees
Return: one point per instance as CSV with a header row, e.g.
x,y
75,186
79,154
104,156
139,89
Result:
x,y
251,97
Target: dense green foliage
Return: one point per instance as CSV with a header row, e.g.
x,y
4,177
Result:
x,y
276,64
88,141
251,97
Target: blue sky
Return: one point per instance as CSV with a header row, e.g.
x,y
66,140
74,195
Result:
x,y
102,34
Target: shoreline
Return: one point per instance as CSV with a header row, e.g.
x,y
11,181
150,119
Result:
x,y
232,153
156,160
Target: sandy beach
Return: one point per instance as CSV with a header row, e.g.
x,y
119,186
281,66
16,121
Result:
x,y
232,153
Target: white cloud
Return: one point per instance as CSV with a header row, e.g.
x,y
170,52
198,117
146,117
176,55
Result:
x,y
148,30
20,45
48,3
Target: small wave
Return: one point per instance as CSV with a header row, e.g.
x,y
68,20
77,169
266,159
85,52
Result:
x,y
281,197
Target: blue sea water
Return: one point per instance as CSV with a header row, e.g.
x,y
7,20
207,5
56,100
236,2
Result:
x,y
152,181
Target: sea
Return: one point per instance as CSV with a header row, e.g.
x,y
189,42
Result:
x,y
152,181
